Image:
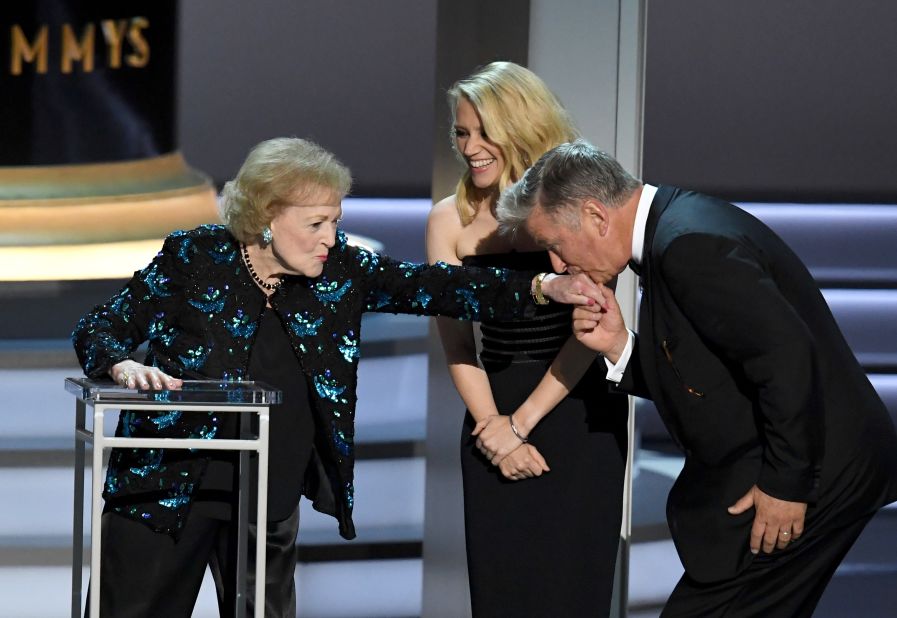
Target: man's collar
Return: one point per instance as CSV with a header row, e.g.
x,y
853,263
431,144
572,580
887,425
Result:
x,y
641,220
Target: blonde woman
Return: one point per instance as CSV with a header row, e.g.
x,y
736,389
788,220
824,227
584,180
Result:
x,y
544,444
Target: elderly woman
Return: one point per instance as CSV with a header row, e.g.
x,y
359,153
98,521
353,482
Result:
x,y
275,295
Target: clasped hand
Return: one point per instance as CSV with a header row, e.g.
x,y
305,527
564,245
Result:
x,y
131,374
499,444
600,325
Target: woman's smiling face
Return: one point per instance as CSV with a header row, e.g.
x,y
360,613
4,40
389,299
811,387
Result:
x,y
483,157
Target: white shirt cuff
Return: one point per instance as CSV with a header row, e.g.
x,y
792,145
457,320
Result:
x,y
615,372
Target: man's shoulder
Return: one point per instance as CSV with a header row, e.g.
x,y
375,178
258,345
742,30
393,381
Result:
x,y
692,212
680,198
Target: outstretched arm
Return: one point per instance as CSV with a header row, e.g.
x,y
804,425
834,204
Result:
x,y
446,288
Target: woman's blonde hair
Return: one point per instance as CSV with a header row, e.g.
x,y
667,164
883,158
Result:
x,y
272,175
520,115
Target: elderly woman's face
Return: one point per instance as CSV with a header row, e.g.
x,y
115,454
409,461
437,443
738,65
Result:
x,y
304,231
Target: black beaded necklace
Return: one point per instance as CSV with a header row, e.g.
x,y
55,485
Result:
x,y
270,287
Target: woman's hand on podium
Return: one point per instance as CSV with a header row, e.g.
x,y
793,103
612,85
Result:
x,y
131,374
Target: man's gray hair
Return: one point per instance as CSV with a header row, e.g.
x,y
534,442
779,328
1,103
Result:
x,y
562,178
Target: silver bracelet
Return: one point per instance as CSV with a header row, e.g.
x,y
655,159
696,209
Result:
x,y
523,439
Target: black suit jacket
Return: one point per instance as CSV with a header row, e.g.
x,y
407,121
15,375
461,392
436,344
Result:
x,y
754,380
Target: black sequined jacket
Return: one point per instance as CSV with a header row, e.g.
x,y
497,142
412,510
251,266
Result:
x,y
198,308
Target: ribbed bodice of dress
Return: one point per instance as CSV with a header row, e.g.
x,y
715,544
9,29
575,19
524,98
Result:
x,y
538,338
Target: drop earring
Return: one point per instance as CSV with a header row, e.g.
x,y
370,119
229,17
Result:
x,y
267,236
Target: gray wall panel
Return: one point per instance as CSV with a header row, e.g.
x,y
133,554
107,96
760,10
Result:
x,y
773,100
354,75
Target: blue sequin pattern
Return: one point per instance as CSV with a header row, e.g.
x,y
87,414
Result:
x,y
211,301
331,292
184,250
342,440
157,282
304,326
422,299
159,329
242,325
167,419
175,502
349,348
223,252
194,358
329,389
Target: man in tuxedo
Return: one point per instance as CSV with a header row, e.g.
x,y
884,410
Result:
x,y
788,449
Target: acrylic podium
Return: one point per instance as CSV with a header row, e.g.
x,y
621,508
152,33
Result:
x,y
195,396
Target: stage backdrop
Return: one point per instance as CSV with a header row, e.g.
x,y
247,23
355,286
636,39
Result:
x,y
778,100
88,127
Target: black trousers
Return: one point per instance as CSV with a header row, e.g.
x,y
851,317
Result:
x,y
146,574
784,584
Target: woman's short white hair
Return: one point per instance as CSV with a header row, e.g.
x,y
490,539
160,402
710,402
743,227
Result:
x,y
274,173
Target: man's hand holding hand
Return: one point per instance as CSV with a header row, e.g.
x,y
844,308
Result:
x,y
600,326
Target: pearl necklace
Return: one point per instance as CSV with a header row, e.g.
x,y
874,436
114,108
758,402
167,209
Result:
x,y
270,287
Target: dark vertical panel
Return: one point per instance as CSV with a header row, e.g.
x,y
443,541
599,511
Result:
x,y
471,33
354,75
773,100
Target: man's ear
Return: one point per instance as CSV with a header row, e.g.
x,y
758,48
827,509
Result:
x,y
595,213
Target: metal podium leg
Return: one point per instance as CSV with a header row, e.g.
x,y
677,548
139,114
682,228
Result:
x,y
96,512
261,531
78,514
242,523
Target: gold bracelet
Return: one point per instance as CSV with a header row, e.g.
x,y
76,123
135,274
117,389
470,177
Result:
x,y
538,296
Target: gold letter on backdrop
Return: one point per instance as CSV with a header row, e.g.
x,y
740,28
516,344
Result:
x,y
73,51
114,33
141,47
21,50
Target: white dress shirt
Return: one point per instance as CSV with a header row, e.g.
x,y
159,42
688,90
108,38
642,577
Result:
x,y
615,371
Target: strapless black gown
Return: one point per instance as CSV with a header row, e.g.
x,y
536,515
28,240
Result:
x,y
545,546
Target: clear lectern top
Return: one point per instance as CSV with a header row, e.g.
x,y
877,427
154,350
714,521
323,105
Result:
x,y
193,392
